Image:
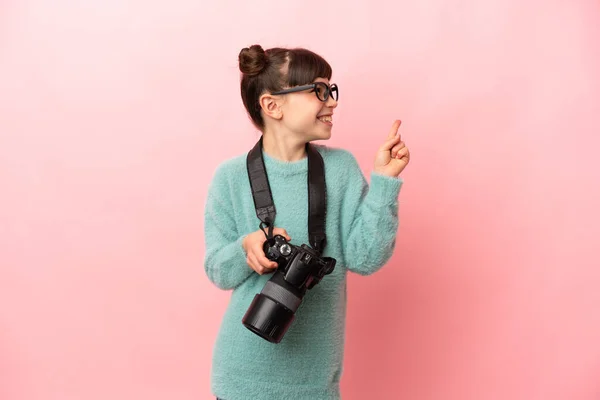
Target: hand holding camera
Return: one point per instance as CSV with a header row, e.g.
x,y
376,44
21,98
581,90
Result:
x,y
255,255
299,268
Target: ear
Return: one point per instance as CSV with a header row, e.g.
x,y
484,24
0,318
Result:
x,y
270,106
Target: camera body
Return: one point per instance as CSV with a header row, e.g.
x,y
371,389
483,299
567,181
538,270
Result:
x,y
299,268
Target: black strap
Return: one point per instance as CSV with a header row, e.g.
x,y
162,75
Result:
x,y
317,194
259,182
317,199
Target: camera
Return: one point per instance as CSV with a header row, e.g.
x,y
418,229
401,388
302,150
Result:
x,y
299,268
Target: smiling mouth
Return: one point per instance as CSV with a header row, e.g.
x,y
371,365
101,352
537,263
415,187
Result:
x,y
326,119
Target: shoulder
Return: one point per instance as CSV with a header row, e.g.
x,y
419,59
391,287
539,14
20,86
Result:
x,y
341,167
339,162
229,171
232,166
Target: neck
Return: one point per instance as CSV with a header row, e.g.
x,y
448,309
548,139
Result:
x,y
284,148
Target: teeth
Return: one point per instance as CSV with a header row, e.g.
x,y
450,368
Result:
x,y
326,118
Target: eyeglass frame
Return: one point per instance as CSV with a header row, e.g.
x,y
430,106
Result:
x,y
314,87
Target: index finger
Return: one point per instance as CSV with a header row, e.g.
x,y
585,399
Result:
x,y
394,129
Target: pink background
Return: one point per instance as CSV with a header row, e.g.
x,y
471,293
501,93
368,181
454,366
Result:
x,y
113,116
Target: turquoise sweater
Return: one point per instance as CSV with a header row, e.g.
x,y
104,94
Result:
x,y
361,228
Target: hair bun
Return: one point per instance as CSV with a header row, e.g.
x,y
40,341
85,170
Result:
x,y
253,60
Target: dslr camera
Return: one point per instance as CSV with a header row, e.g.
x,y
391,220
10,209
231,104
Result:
x,y
299,268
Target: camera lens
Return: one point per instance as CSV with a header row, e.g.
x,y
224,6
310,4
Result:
x,y
272,310
267,318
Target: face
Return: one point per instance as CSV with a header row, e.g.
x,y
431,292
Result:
x,y
306,116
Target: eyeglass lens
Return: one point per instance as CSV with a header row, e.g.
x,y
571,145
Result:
x,y
323,91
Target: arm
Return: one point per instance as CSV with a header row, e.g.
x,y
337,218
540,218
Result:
x,y
225,260
370,220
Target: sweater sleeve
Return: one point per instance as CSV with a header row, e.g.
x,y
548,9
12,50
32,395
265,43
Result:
x,y
225,259
370,220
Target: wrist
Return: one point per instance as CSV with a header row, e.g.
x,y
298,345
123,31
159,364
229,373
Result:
x,y
244,244
383,172
384,189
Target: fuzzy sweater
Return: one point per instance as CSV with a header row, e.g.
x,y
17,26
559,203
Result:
x,y
361,227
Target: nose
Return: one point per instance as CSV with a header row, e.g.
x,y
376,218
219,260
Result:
x,y
331,102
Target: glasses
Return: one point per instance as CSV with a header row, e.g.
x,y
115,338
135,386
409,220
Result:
x,y
321,89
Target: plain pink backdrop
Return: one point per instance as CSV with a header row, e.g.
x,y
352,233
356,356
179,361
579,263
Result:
x,y
113,116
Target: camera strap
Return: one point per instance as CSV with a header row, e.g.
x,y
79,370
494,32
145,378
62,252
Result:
x,y
317,194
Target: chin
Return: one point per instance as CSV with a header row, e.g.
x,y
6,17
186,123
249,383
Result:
x,y
320,137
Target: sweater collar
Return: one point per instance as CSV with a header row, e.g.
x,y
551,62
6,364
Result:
x,y
277,167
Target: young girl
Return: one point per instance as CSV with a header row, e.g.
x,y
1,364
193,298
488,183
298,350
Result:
x,y
290,99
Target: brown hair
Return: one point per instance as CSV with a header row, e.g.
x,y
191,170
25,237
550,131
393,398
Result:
x,y
275,69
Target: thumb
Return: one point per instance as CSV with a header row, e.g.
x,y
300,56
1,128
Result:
x,y
282,232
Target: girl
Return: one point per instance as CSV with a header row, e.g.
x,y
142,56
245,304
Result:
x,y
290,99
